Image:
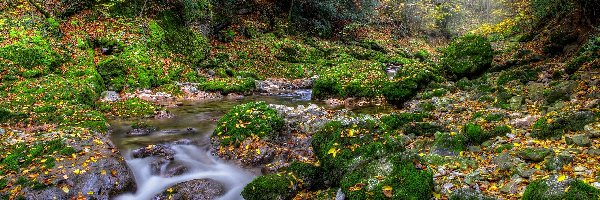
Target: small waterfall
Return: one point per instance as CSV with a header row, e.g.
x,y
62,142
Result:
x,y
201,165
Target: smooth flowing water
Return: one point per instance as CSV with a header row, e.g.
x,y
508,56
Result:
x,y
194,123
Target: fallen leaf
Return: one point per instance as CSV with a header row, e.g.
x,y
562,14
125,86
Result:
x,y
561,178
332,151
387,191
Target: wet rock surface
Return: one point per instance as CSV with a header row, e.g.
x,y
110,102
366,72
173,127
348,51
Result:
x,y
202,189
105,176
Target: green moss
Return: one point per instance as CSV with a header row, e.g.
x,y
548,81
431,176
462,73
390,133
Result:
x,y
494,117
503,147
397,172
577,190
397,120
326,87
474,133
449,141
340,147
133,107
311,176
467,56
113,73
555,127
30,57
180,39
22,155
522,75
269,187
408,81
249,119
228,85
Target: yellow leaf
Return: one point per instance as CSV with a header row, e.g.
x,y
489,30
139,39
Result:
x,y
387,191
561,178
517,144
258,151
65,189
170,190
77,171
90,193
351,133
332,151
103,172
538,166
437,195
43,160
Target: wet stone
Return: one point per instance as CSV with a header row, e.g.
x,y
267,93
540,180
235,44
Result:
x,y
202,189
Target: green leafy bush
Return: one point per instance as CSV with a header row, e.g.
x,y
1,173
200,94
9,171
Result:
x,y
270,187
467,56
246,120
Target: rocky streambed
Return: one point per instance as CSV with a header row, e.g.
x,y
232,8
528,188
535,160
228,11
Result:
x,y
174,157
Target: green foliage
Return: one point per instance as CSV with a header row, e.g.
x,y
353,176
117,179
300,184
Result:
x,y
474,133
542,9
494,117
577,190
269,187
410,123
467,56
328,17
247,120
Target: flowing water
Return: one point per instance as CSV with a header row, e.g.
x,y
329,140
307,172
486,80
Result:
x,y
193,122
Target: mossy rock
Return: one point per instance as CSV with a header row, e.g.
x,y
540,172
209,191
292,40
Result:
x,y
327,87
311,175
548,127
341,148
535,154
450,141
553,188
270,187
409,80
468,194
396,177
246,120
113,72
467,56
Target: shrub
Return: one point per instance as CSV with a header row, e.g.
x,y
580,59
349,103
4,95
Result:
x,y
467,56
246,120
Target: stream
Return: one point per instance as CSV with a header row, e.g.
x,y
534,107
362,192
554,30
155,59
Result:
x,y
188,135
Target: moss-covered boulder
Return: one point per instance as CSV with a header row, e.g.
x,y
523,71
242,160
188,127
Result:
x,y
343,148
409,80
555,127
535,154
397,177
467,56
557,187
270,187
255,118
310,175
